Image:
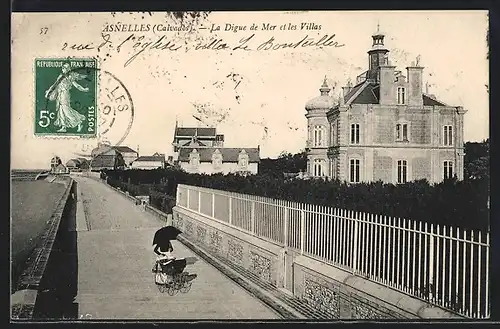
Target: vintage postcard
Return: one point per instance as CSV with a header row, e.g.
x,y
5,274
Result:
x,y
250,165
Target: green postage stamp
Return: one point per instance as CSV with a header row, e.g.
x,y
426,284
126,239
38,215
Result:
x,y
66,97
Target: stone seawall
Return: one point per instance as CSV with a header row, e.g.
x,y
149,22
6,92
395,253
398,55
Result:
x,y
42,269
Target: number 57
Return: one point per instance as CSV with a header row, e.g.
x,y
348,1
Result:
x,y
45,118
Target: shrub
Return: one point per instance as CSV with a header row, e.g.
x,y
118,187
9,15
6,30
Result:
x,y
457,203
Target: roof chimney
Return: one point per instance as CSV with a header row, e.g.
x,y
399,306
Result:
x,y
415,86
347,88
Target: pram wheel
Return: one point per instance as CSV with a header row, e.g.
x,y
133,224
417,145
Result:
x,y
186,287
178,283
171,289
162,288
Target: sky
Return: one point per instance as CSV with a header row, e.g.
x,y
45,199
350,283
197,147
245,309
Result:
x,y
254,97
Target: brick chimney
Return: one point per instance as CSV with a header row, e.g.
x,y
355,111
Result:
x,y
387,87
414,94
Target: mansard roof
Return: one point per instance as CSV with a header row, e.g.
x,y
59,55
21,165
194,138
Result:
x,y
189,132
430,100
369,93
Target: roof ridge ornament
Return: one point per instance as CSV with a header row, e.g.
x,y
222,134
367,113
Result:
x,y
325,89
325,83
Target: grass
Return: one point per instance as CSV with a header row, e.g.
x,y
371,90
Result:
x,y
33,203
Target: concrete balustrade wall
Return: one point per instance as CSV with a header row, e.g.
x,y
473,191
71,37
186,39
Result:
x,y
258,256
349,296
326,287
167,218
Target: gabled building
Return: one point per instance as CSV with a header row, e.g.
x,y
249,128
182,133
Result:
x,y
73,164
84,164
196,137
107,161
154,161
60,169
77,164
128,154
384,127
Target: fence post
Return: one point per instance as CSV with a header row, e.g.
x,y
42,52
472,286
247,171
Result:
x,y
177,193
199,201
431,263
285,227
302,231
355,241
213,204
230,209
252,217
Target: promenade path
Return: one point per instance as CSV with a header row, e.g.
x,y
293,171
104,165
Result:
x,y
115,258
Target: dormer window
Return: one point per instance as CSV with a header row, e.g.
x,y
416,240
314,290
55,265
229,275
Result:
x,y
243,160
217,159
401,96
194,158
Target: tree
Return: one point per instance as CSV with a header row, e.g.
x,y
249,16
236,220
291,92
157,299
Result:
x,y
286,162
477,160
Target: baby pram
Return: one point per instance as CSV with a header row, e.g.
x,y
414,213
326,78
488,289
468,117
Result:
x,y
170,276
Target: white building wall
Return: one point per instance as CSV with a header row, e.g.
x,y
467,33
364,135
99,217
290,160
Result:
x,y
226,168
147,164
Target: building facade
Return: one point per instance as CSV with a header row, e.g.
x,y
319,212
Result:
x,y
219,160
384,128
201,150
